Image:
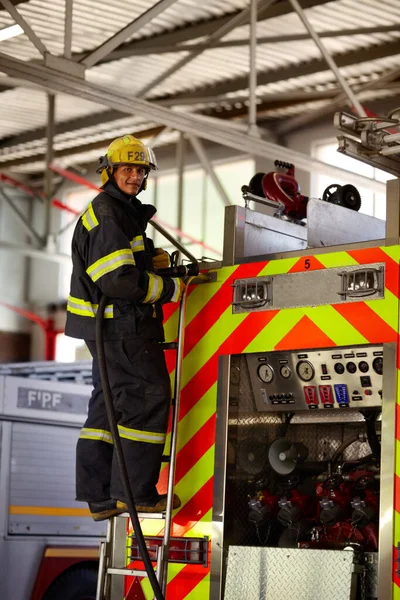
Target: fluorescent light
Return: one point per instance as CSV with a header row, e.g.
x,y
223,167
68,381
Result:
x,y
10,32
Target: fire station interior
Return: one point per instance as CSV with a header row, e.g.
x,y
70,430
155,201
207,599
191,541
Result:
x,y
276,128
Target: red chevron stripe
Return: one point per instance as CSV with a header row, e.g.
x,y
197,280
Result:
x,y
234,344
198,505
306,263
213,309
397,493
372,255
366,321
195,448
190,453
185,581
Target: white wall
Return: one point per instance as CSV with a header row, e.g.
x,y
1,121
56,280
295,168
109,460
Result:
x,y
13,266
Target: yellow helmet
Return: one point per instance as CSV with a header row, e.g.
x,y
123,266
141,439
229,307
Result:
x,y
126,150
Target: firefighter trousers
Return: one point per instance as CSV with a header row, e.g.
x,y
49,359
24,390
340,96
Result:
x,y
141,391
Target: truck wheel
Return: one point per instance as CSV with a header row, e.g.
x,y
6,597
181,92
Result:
x,y
76,584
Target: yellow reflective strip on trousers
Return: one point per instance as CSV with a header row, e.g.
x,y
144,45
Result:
x,y
99,435
138,435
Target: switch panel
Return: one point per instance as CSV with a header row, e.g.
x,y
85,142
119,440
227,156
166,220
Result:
x,y
329,378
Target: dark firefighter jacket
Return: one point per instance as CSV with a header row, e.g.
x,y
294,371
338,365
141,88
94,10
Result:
x,y
111,255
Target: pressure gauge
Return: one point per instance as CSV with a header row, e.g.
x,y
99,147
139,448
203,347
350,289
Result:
x,y
305,370
377,365
285,372
265,373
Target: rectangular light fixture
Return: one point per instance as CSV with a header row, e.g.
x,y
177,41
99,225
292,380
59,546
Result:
x,y
10,32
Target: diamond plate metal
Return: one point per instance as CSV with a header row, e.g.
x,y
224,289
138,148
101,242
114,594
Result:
x,y
289,574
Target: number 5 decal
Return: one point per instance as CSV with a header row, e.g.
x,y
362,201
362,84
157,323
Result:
x,y
307,263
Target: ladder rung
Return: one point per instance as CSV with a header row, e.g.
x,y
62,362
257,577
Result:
x,y
132,572
169,345
142,515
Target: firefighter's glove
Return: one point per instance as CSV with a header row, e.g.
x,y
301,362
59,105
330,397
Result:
x,y
161,259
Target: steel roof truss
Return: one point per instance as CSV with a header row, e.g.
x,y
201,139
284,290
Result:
x,y
104,49
210,129
226,28
19,19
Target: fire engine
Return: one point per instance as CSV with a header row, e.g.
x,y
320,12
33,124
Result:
x,y
48,542
286,389
282,447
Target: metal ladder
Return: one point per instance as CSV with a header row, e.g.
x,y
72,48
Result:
x,y
113,552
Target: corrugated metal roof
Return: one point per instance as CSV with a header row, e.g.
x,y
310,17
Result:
x,y
217,77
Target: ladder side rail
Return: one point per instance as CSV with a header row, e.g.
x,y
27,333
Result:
x,y
162,573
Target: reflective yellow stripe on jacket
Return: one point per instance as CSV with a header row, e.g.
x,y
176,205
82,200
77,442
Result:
x,y
89,219
137,435
155,289
81,307
137,244
99,435
109,263
179,287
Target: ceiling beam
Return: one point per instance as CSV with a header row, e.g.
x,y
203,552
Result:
x,y
102,51
217,34
197,30
19,19
99,145
214,130
298,70
138,50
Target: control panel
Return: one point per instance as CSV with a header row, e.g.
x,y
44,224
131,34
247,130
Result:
x,y
336,378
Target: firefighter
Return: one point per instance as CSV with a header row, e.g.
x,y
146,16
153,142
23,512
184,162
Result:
x,y
112,255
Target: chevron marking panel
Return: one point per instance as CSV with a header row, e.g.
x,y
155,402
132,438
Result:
x,y
212,330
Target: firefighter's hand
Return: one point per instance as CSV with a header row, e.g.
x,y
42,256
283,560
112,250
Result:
x,y
161,259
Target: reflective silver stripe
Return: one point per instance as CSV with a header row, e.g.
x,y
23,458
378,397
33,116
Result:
x,y
137,244
81,307
99,435
109,263
178,289
155,289
137,435
89,219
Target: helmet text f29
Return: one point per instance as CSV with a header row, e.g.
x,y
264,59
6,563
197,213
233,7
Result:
x,y
124,151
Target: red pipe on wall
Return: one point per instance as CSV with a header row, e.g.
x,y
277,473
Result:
x,y
47,325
